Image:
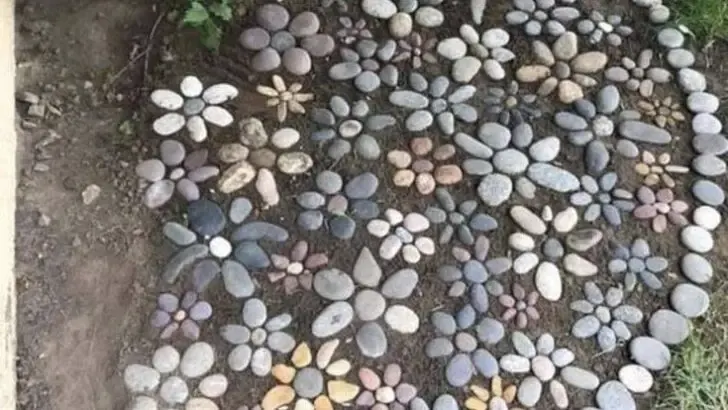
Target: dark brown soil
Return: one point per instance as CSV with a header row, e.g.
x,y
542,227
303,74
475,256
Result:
x,y
87,280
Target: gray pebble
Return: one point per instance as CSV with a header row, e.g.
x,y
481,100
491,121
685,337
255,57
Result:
x,y
708,192
613,395
459,370
669,327
333,284
696,268
332,320
689,300
650,353
371,340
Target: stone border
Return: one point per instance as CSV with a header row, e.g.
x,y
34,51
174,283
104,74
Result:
x,y
8,145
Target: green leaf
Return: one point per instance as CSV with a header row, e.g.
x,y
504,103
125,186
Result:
x,y
222,10
211,35
196,14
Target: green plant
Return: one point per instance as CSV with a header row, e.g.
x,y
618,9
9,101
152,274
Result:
x,y
707,18
208,17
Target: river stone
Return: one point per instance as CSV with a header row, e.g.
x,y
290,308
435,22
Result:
x,y
669,327
371,340
183,260
696,268
445,402
529,391
362,186
691,80
344,71
139,378
715,144
636,378
708,192
333,284
382,9
696,239
689,300
494,189
580,378
464,69
552,177
650,353
197,360
643,132
490,331
613,395
709,165
459,370
548,281
400,285
702,102
332,320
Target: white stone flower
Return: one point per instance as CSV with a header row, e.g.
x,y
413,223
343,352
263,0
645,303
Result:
x,y
399,233
197,106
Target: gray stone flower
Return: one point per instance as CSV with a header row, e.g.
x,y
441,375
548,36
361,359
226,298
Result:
x,y
173,314
416,50
174,170
637,263
433,101
606,317
473,50
543,363
279,40
214,249
402,15
589,123
368,65
542,16
639,75
257,338
167,382
598,28
352,31
403,234
342,122
509,160
512,107
479,277
458,219
341,5
602,198
464,343
338,205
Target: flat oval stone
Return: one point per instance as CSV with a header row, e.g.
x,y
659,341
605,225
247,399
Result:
x,y
333,284
636,378
669,327
334,318
650,353
689,300
613,395
371,340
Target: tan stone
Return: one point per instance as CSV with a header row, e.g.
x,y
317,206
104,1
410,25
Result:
x,y
421,145
322,403
294,163
236,177
325,353
403,178
399,158
448,174
341,392
509,394
444,152
230,153
265,184
589,62
339,368
301,357
474,403
283,373
496,386
262,158
480,392
252,132
425,183
641,168
532,73
201,403
569,92
277,397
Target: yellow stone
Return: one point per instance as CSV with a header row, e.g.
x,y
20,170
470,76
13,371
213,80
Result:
x,y
496,386
652,179
480,392
278,397
322,403
342,392
509,394
339,368
325,353
642,168
283,373
474,403
301,356
648,157
304,404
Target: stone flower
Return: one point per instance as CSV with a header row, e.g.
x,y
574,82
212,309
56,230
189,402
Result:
x,y
562,67
403,14
311,382
297,269
400,235
352,31
663,112
341,5
463,342
368,64
416,50
520,306
256,156
603,199
598,28
285,99
337,204
589,124
661,207
637,262
458,220
606,317
434,101
544,364
479,277
207,244
393,391
174,170
494,398
544,231
512,107
257,338
499,156
639,75
424,173
343,122
166,383
660,169
535,16
186,315
472,50
278,39
198,105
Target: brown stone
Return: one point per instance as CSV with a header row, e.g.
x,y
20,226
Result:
x,y
448,174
